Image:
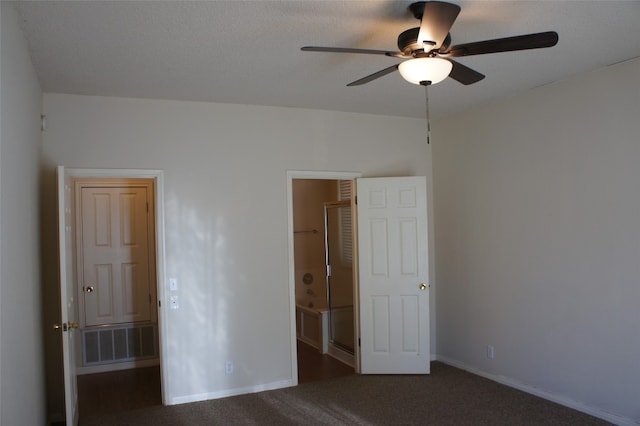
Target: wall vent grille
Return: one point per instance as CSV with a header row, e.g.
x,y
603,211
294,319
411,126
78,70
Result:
x,y
107,345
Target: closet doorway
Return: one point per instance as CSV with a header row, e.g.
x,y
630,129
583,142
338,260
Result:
x,y
117,294
113,356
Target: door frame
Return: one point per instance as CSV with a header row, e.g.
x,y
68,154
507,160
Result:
x,y
318,175
158,177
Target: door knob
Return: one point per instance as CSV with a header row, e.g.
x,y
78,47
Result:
x,y
89,289
422,286
65,326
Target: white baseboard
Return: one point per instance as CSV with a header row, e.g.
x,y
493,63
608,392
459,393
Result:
x,y
525,387
230,392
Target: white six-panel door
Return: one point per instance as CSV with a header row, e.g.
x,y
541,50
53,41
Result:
x,y
393,275
115,255
68,315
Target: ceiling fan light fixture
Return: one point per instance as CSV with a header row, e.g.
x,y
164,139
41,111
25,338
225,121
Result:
x,y
419,70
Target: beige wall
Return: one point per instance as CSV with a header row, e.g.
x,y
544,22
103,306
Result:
x,y
22,396
537,201
537,235
225,173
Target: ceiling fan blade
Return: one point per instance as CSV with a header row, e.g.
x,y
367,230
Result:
x,y
373,76
352,50
436,21
463,74
507,44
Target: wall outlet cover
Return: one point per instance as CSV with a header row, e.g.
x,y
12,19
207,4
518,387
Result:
x,y
490,351
173,302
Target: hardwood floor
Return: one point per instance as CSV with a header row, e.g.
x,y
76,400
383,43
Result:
x,y
129,389
313,366
118,391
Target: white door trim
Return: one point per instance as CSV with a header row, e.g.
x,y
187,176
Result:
x,y
291,175
158,177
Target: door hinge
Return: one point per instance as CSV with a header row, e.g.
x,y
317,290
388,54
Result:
x,y
159,304
358,342
355,200
147,207
328,270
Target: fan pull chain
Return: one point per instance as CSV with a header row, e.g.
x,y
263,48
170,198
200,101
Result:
x,y
426,85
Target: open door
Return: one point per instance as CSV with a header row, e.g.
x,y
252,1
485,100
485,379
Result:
x,y
68,316
393,275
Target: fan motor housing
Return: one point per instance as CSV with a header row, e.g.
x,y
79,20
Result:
x,y
408,43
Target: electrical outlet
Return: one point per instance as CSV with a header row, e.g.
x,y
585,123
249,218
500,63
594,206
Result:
x,y
228,367
173,302
490,351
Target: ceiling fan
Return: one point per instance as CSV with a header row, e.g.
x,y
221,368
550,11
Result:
x,y
428,51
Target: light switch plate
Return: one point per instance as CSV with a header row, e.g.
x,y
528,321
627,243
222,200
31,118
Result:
x,y
173,284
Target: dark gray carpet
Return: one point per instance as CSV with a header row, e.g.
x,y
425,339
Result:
x,y
448,396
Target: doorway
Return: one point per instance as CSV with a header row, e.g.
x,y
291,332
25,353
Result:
x,y
321,348
120,344
116,275
116,292
391,303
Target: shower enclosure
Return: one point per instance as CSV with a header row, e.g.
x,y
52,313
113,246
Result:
x,y
339,258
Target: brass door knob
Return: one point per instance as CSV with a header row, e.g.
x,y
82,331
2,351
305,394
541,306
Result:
x,y
62,326
65,326
89,289
423,286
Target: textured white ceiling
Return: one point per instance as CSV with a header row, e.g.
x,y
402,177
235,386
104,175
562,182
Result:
x,y
248,52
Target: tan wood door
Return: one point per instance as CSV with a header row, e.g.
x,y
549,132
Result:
x,y
115,252
393,273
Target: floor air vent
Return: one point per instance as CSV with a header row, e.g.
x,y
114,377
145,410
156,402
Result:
x,y
118,344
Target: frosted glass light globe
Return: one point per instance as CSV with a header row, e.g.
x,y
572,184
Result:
x,y
425,69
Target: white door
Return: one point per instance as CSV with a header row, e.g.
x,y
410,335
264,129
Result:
x,y
69,320
393,275
115,252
